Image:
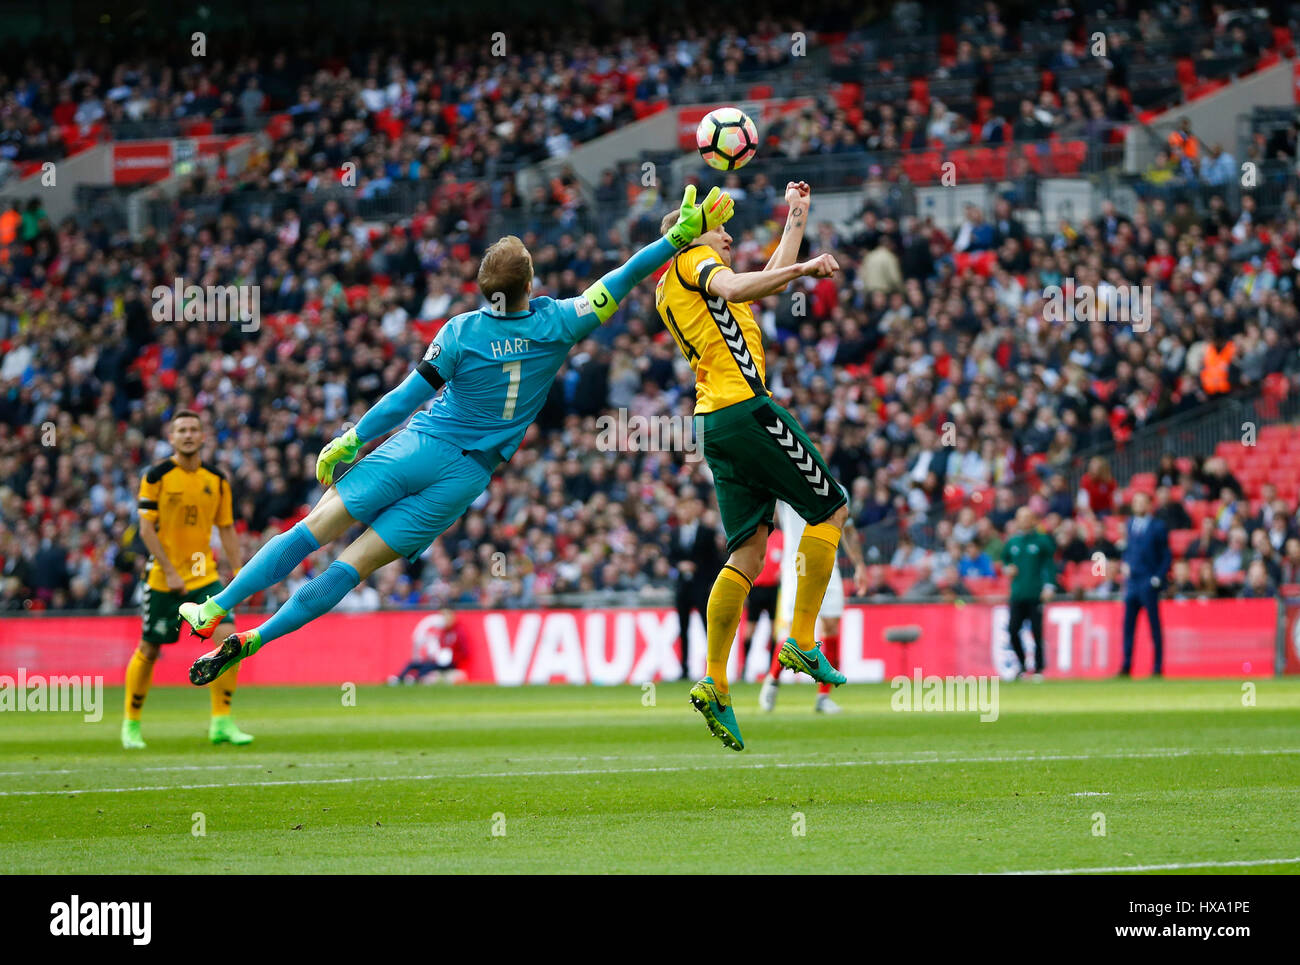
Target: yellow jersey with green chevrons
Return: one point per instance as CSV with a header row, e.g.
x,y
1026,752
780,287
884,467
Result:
x,y
184,506
720,339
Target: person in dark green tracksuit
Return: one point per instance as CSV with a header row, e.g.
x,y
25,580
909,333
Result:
x,y
1029,558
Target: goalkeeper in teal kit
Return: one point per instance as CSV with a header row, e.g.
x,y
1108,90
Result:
x,y
494,367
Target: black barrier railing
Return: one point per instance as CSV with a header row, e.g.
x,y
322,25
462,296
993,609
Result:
x,y
399,200
166,128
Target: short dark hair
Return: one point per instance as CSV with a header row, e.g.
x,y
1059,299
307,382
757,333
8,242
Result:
x,y
185,414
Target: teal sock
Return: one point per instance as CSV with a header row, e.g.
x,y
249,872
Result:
x,y
269,565
312,599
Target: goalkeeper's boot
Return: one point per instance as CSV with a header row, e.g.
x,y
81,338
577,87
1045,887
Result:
x,y
203,618
718,714
767,694
223,730
214,663
812,662
131,739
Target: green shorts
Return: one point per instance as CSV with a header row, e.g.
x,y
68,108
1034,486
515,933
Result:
x,y
161,611
759,453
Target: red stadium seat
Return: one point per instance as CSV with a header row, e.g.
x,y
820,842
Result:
x,y
847,95
1114,528
922,167
1180,539
1143,482
1068,156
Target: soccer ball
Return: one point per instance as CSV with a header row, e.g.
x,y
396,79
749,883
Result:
x,y
727,138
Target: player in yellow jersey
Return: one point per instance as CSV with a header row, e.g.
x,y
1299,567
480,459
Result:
x,y
181,499
757,450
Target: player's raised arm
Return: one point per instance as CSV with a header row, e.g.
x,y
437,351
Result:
x,y
799,197
602,298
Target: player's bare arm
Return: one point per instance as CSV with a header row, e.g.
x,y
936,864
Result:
x,y
750,285
230,547
149,534
799,198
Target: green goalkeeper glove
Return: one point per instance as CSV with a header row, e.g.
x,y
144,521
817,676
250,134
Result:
x,y
342,449
695,219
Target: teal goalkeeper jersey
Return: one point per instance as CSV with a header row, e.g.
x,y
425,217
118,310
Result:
x,y
499,370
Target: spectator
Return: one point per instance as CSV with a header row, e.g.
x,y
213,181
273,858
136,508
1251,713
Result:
x,y
1233,559
1207,544
1181,585
1258,584
1097,487
1170,512
975,563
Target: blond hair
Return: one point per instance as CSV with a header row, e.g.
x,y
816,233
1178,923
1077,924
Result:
x,y
507,267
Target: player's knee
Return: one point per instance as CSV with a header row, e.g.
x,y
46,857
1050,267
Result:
x,y
329,518
149,651
748,556
839,517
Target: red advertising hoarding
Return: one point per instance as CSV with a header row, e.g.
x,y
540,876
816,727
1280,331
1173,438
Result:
x,y
144,162
1213,638
141,162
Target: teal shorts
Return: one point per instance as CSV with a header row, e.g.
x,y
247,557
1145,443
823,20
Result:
x,y
412,488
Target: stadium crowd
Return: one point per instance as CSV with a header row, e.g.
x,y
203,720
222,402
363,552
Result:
x,y
404,105
930,363
933,366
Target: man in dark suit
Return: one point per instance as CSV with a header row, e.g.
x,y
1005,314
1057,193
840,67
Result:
x,y
1146,562
694,553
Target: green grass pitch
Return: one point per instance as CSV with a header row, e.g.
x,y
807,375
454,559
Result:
x,y
1180,775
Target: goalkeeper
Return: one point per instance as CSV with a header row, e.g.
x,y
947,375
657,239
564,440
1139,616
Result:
x,y
494,367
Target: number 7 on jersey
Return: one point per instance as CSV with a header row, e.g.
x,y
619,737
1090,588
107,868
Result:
x,y
513,370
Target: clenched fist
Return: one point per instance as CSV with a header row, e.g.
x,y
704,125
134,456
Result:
x,y
823,266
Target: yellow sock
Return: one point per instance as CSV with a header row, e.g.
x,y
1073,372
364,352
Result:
x,y
818,548
223,690
139,675
726,603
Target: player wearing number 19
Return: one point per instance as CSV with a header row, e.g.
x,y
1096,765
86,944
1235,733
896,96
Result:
x,y
181,500
495,367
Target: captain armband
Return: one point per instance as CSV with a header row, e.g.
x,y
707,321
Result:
x,y
598,299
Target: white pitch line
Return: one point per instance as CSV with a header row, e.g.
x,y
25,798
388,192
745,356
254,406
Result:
x,y
244,765
1154,867
598,772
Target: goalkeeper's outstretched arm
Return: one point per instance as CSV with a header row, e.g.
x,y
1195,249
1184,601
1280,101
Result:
x,y
693,220
382,417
